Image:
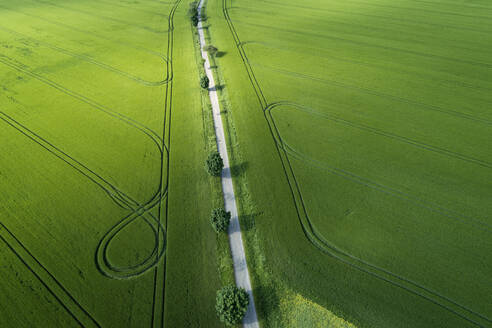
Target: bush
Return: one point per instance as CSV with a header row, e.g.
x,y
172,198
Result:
x,y
215,164
204,82
220,219
231,304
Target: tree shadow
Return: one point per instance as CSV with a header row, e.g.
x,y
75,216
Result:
x,y
220,54
268,300
239,169
216,88
248,221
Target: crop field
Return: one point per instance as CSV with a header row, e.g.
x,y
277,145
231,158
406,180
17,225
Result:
x,y
367,130
87,209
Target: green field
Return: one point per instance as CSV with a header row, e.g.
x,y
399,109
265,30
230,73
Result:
x,y
360,139
102,186
366,131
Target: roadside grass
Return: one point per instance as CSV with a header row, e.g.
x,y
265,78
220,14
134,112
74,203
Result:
x,y
226,271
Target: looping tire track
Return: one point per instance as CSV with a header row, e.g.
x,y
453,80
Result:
x,y
117,196
309,229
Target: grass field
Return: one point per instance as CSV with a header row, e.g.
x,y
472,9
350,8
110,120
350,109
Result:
x,y
102,186
366,127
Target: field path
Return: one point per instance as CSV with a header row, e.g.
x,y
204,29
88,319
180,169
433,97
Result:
x,y
241,272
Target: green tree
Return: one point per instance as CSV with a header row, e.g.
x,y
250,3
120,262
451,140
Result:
x,y
194,20
220,219
231,304
214,164
204,82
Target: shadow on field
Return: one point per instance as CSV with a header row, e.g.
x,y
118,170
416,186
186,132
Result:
x,y
217,87
220,54
239,169
268,300
248,221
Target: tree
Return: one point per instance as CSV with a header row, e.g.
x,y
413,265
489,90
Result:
x,y
220,219
204,82
211,50
231,304
193,13
214,164
194,20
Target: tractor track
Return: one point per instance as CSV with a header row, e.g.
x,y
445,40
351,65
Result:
x,y
398,20
309,229
58,285
88,59
117,196
119,4
92,34
445,212
382,133
372,45
105,18
399,99
143,128
164,179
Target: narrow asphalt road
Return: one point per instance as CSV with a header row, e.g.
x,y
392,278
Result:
x,y
235,240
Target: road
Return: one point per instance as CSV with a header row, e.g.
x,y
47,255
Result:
x,y
241,272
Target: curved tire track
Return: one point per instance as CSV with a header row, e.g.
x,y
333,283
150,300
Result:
x,y
119,198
